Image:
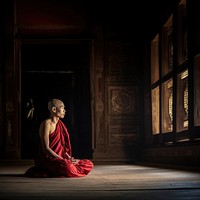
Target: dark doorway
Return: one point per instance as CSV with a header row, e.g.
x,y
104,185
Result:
x,y
56,71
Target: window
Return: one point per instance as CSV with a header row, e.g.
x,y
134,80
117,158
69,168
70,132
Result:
x,y
197,90
167,106
155,59
167,47
155,94
196,109
170,80
155,110
182,53
182,101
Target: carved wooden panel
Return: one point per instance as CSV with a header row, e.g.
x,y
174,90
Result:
x,y
121,58
122,62
122,134
122,100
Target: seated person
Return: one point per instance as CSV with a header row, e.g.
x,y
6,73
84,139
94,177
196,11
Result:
x,y
54,158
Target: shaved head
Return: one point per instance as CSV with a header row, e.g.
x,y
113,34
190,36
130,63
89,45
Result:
x,y
55,103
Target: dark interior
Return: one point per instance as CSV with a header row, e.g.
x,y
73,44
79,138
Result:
x,y
56,71
128,73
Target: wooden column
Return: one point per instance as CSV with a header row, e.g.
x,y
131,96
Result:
x,y
11,138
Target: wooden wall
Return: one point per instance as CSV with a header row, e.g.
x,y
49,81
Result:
x,y
115,70
119,73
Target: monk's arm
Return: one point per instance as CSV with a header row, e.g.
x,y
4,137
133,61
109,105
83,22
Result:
x,y
45,130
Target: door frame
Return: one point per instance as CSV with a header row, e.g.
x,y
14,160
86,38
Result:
x,y
18,72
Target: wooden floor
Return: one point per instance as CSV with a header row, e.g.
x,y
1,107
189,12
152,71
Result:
x,y
116,181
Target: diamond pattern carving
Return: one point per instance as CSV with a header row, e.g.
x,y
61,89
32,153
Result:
x,y
122,100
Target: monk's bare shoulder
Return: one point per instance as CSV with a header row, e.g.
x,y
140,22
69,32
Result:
x,y
45,125
47,122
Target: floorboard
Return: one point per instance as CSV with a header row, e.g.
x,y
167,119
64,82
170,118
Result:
x,y
114,181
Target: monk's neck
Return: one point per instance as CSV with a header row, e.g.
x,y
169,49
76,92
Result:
x,y
54,119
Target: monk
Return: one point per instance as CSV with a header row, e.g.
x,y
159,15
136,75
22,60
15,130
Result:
x,y
55,154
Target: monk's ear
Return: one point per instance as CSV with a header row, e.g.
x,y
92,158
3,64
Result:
x,y
53,109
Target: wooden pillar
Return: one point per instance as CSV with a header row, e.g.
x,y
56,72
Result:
x,y
11,135
99,111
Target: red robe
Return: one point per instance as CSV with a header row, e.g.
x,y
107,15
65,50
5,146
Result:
x,y
49,166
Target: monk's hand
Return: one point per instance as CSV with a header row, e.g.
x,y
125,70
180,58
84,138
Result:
x,y
74,161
